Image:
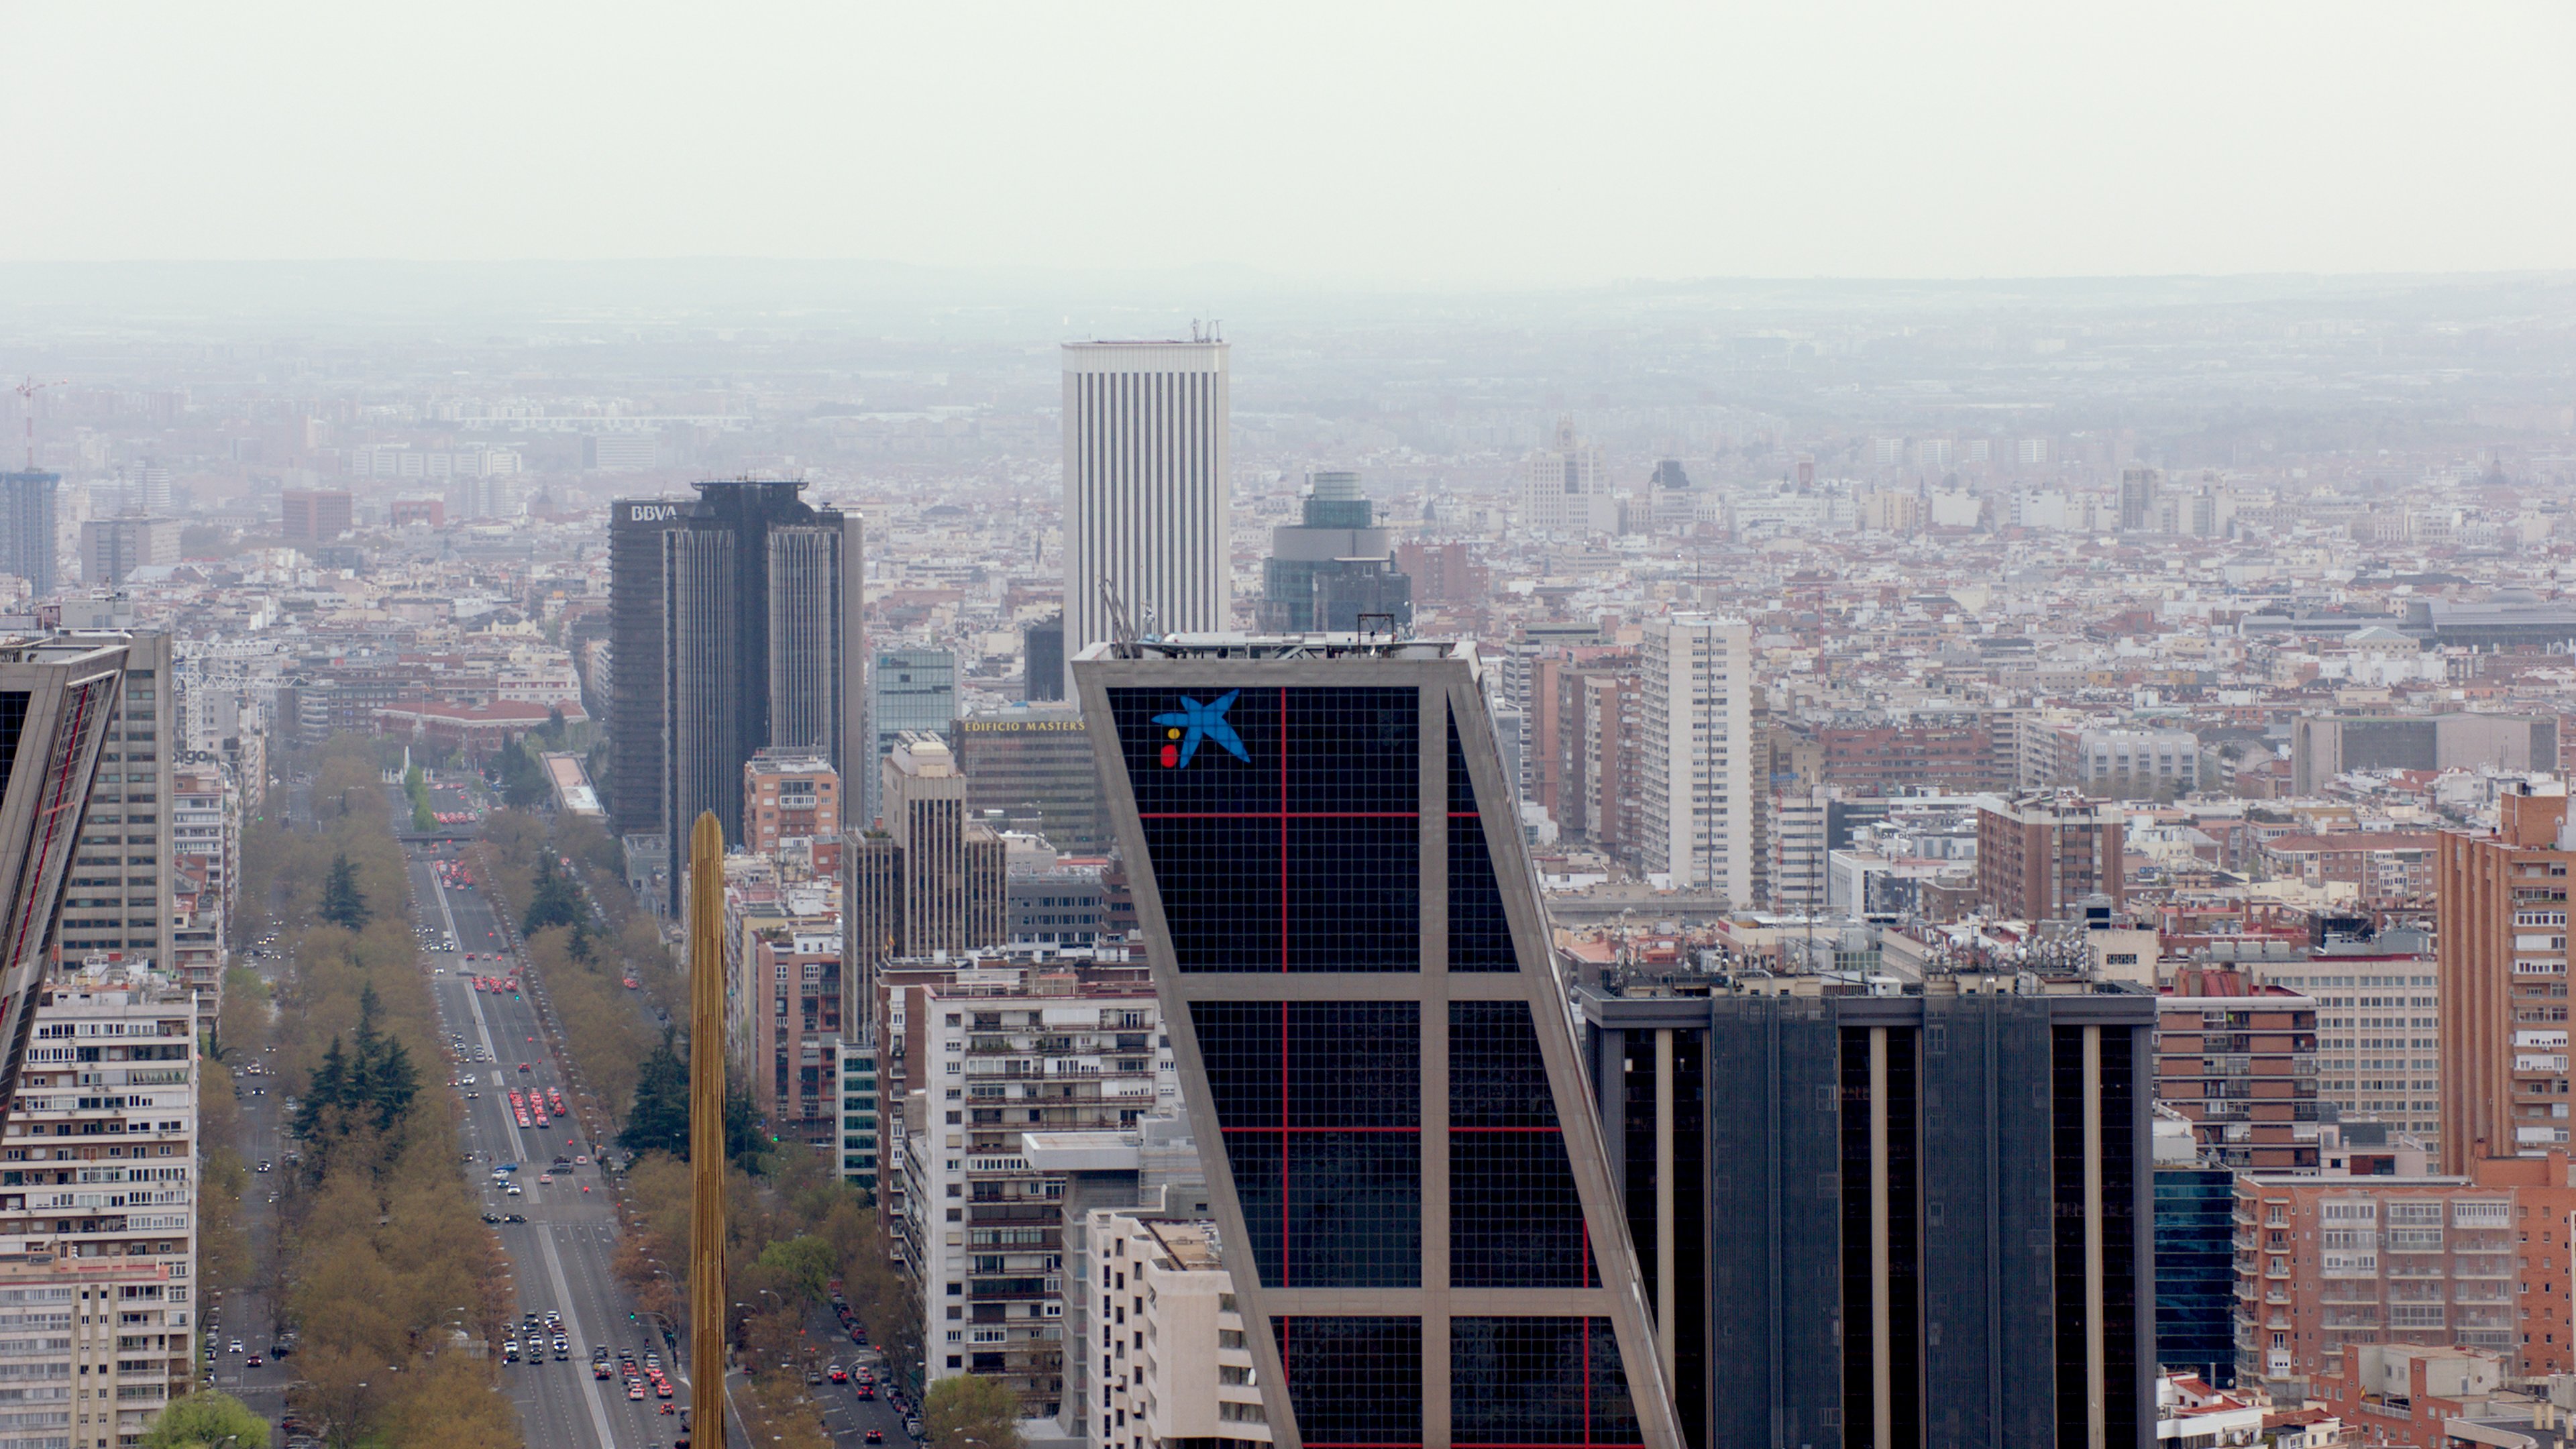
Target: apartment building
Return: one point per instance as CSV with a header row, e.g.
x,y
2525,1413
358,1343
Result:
x,y
2325,1265
2238,1060
1698,804
2040,858
783,997
205,872
2384,866
2501,964
1051,1051
1175,1372
91,1349
98,1183
789,794
1151,1170
1873,753
2379,1020
2127,764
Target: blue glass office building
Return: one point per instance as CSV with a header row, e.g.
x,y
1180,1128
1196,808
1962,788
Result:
x,y
2196,1272
1365,1014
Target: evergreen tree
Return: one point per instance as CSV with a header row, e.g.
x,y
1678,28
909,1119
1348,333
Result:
x,y
391,1084
659,1121
744,1146
553,901
343,904
515,772
329,1087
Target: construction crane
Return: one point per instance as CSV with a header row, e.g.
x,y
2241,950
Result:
x,y
26,392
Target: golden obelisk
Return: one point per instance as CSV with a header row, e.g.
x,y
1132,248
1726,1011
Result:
x,y
706,1133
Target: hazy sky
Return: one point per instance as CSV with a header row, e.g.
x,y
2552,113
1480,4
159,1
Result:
x,y
1399,143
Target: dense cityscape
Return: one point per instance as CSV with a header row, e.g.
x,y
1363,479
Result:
x,y
2004,876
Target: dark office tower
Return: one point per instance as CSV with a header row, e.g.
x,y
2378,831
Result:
x,y
1418,1214
27,542
1042,660
2196,1272
2138,499
635,760
58,697
1671,502
1333,565
1029,768
761,644
1878,1220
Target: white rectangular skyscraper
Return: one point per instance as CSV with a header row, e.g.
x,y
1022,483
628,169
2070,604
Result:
x,y
1147,491
1698,799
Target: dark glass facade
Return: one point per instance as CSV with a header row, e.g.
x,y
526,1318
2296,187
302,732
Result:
x,y
1515,1217
1356,1382
1285,834
1321,1107
2116,1075
1399,1103
2196,1272
1480,936
1887,1221
1529,1381
1879,1122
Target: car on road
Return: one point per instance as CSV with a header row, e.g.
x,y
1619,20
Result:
x,y
840,1375
513,1191
545,1179
492,1217
251,1362
512,1218
523,1066
876,1436
635,1390
237,1346
264,1165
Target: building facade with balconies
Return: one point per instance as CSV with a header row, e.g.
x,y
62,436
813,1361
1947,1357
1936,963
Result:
x,y
1003,1054
98,1204
2240,1061
2326,1265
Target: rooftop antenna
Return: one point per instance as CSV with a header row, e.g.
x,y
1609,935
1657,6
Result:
x,y
27,391
1122,634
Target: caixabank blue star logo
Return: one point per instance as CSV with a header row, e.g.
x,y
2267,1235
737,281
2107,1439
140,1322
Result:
x,y
1185,727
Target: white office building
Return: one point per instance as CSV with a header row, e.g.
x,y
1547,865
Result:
x,y
1563,489
1698,780
1148,497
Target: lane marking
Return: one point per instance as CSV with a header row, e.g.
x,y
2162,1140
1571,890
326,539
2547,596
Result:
x,y
572,1323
